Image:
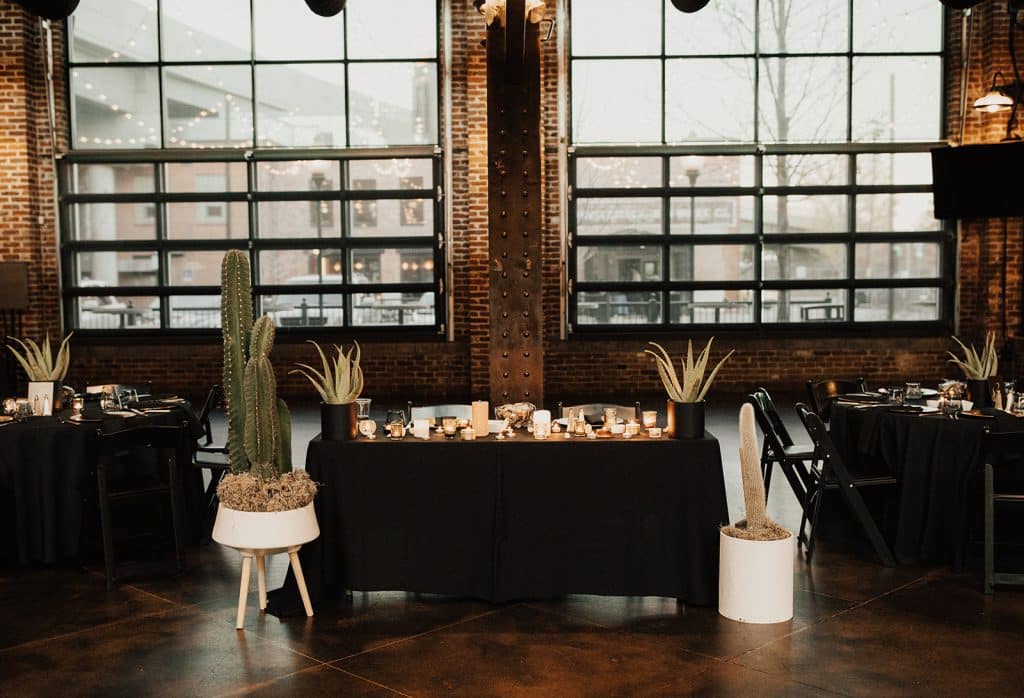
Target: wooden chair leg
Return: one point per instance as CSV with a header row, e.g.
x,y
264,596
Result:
x,y
990,533
301,580
243,591
105,524
261,580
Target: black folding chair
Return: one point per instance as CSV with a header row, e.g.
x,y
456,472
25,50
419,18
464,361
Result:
x,y
822,394
169,444
208,456
1003,455
831,473
778,448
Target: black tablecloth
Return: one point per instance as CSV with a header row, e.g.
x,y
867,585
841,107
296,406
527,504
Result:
x,y
937,464
515,519
45,466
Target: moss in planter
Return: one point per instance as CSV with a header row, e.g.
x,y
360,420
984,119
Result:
x,y
769,531
246,492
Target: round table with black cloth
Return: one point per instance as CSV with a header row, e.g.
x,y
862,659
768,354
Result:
x,y
45,480
937,463
515,519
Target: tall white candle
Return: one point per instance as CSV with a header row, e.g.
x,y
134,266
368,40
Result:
x,y
481,410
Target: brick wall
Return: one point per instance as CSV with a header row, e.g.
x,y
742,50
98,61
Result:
x,y
458,370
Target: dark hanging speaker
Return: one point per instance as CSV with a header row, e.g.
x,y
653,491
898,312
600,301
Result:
x,y
961,4
978,181
50,9
689,5
326,8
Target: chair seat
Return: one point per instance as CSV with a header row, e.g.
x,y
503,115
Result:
x,y
799,452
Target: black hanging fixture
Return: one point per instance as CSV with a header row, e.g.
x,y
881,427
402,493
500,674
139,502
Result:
x,y
50,9
961,4
326,8
689,5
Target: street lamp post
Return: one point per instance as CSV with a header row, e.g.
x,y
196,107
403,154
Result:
x,y
693,165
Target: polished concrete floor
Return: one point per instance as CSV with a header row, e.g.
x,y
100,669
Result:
x,y
859,629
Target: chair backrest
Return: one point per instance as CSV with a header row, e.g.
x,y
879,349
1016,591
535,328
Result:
x,y
820,438
595,411
768,405
436,411
1006,447
764,423
112,444
822,393
213,399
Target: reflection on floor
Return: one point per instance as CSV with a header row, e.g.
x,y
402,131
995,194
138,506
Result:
x,y
859,629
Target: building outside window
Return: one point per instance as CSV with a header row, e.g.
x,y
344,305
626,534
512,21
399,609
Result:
x,y
198,127
761,162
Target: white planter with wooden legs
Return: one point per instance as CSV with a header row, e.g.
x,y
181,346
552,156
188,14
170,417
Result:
x,y
257,534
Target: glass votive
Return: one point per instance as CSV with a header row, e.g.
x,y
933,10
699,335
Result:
x,y
654,432
363,407
897,395
368,428
541,424
10,406
587,428
591,434
914,391
609,417
77,405
450,430
396,430
650,419
421,428
632,428
468,434
618,428
452,422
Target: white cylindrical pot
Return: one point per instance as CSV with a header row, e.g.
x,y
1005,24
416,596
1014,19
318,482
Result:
x,y
265,530
755,579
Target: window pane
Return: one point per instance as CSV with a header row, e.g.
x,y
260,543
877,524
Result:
x,y
804,305
115,221
117,269
713,215
300,105
299,219
712,262
617,308
901,304
115,107
305,309
393,103
295,267
712,171
391,174
803,99
112,31
885,213
805,214
117,313
599,29
624,216
200,30
112,179
806,170
198,312
208,106
618,173
897,98
709,99
395,29
397,217
712,307
804,26
804,262
894,168
616,101
284,32
897,25
619,263
393,309
298,175
722,27
205,177
900,260
194,268
392,266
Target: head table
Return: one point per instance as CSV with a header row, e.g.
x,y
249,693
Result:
x,y
46,466
514,519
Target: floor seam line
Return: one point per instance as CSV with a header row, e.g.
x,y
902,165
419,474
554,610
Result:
x,y
368,680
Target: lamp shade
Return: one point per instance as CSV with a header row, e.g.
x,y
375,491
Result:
x,y
689,5
993,101
50,9
960,4
326,8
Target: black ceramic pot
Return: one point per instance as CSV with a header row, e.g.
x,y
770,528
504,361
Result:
x,y
980,392
685,420
338,422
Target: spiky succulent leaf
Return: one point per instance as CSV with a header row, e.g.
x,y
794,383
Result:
x,y
711,378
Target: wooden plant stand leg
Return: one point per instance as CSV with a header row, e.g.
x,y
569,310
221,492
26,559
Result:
x,y
243,591
261,580
301,581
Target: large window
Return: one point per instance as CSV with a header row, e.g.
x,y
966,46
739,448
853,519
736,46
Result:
x,y
760,162
201,126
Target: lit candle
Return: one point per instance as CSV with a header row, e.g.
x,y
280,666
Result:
x,y
650,419
469,434
541,424
654,432
449,430
481,410
632,428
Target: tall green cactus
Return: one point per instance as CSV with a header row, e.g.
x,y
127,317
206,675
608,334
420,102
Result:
x,y
259,424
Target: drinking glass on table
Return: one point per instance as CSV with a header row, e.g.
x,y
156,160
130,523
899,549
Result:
x,y
914,391
396,423
897,395
363,407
